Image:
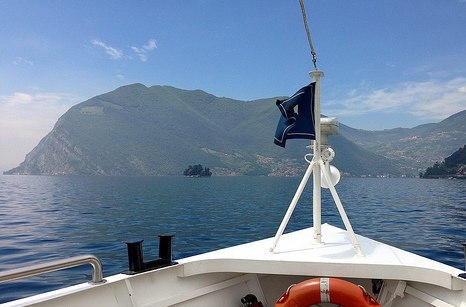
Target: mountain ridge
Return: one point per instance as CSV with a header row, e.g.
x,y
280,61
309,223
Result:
x,y
158,130
418,147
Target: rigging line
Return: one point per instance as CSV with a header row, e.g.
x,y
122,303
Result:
x,y
314,55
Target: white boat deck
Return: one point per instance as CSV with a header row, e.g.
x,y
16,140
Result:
x,y
227,274
296,255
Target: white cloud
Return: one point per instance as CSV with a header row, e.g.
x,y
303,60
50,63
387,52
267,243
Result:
x,y
151,45
431,100
114,53
141,54
16,99
37,112
19,60
142,51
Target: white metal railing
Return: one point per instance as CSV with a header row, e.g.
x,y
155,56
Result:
x,y
57,265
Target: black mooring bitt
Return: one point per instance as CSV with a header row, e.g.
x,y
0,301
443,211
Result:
x,y
136,259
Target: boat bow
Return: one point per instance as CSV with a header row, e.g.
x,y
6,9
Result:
x,y
297,254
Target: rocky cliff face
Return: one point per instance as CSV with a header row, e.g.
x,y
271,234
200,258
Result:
x,y
57,155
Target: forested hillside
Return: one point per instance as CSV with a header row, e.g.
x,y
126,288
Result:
x,y
453,166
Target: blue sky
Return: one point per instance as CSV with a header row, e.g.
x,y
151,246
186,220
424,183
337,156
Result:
x,y
387,64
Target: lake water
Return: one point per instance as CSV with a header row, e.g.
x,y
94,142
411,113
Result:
x,y
44,218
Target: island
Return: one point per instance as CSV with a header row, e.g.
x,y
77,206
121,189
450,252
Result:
x,y
197,171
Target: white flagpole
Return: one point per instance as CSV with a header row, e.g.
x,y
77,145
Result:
x,y
316,195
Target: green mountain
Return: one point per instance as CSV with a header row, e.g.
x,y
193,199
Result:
x,y
159,130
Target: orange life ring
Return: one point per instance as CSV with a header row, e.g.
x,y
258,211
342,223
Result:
x,y
326,290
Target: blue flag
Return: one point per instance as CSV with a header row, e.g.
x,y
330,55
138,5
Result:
x,y
297,116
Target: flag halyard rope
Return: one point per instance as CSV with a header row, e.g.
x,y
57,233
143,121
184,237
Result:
x,y
313,53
